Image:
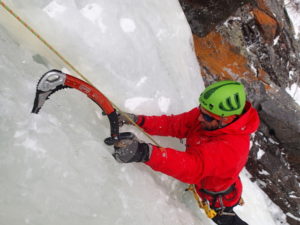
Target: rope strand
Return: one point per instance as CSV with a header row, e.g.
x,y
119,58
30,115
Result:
x,y
10,11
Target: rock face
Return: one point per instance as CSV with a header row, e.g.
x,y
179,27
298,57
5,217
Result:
x,y
253,42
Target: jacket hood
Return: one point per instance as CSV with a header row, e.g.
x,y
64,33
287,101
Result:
x,y
247,123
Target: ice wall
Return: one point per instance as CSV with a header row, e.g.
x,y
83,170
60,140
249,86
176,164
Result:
x,y
54,167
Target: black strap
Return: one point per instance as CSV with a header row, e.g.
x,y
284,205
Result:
x,y
141,123
219,193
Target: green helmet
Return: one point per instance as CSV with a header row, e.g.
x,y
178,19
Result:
x,y
224,98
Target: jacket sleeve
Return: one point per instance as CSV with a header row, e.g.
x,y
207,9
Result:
x,y
216,161
184,166
172,125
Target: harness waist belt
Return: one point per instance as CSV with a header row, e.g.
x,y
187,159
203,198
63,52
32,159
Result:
x,y
219,193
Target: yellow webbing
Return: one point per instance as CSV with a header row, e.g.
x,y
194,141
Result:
x,y
202,204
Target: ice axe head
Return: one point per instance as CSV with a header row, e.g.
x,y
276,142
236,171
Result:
x,y
49,83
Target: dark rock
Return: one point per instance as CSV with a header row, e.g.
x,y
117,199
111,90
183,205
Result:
x,y
254,43
204,15
282,116
273,174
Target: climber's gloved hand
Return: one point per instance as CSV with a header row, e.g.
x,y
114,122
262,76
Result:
x,y
130,149
123,118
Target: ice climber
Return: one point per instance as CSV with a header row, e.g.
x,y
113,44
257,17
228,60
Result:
x,y
217,137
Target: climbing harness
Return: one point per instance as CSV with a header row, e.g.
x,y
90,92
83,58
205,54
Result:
x,y
38,36
205,204
218,195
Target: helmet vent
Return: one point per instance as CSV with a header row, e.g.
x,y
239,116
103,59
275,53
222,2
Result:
x,y
229,106
213,90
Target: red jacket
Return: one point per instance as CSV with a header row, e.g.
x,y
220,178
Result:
x,y
212,160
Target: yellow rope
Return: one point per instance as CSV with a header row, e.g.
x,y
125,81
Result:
x,y
44,41
10,11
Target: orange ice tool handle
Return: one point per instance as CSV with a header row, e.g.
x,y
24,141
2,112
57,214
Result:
x,y
55,80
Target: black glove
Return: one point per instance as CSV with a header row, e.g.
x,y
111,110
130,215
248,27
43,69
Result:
x,y
131,150
122,118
